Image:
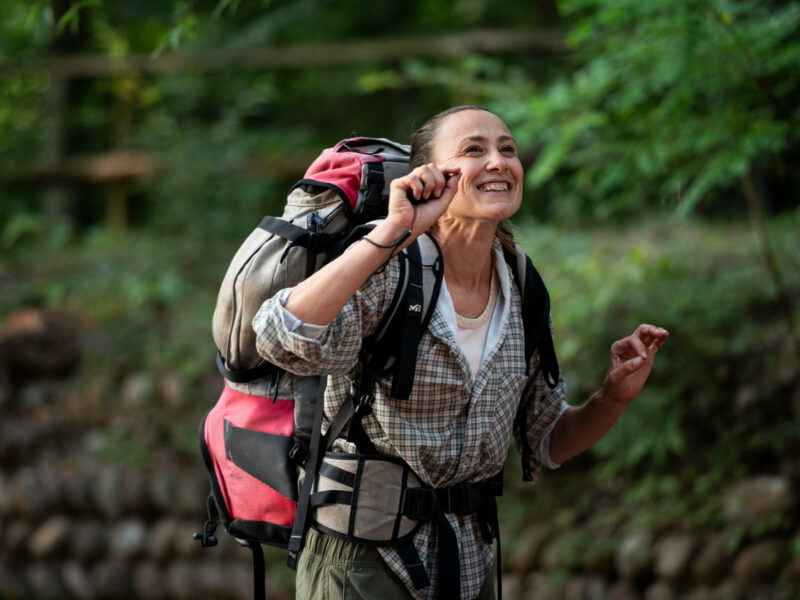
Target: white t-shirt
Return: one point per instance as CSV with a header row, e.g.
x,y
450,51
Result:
x,y
471,334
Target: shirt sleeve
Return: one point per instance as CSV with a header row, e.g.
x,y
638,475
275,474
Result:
x,y
307,330
306,349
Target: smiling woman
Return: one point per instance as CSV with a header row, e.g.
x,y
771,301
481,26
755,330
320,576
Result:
x,y
472,381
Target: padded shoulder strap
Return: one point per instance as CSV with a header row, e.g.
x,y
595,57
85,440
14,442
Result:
x,y
536,323
419,302
535,313
397,336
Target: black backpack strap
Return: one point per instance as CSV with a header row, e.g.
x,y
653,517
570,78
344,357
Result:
x,y
311,240
535,321
411,311
259,575
245,375
301,518
396,338
414,566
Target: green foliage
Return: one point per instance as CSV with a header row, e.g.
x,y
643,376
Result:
x,y
659,105
669,103
714,409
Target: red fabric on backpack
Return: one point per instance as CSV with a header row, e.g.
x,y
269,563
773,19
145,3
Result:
x,y
245,496
342,168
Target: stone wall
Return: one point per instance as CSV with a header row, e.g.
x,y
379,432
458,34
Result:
x,y
78,526
80,521
654,564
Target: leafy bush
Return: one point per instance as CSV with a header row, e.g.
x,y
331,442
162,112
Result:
x,y
715,407
669,102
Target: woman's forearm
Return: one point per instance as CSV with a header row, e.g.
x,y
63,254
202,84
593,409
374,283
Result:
x,y
320,297
631,362
580,427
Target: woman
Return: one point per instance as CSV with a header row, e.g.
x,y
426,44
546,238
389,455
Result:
x,y
471,374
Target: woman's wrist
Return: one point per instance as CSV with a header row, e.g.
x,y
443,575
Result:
x,y
606,399
388,231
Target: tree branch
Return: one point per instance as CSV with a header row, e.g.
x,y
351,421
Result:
x,y
297,57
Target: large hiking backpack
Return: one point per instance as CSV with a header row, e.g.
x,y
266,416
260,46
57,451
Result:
x,y
264,433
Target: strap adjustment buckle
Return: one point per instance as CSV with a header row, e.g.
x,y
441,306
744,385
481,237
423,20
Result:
x,y
460,499
419,503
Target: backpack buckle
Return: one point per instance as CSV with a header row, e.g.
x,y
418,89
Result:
x,y
364,404
207,538
419,503
460,499
299,454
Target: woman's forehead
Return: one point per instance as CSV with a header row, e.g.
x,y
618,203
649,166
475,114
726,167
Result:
x,y
469,125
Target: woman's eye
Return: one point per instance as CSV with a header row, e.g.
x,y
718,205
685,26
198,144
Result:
x,y
472,149
508,150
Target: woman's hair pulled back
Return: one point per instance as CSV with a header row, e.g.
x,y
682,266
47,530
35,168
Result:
x,y
422,149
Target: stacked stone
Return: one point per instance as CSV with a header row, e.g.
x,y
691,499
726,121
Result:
x,y
77,525
110,532
590,563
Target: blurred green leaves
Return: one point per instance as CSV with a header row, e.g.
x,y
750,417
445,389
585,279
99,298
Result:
x,y
658,111
668,103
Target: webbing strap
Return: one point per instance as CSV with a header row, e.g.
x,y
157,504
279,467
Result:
x,y
412,327
356,434
449,562
281,227
411,561
535,319
334,473
338,423
259,586
301,520
331,497
489,520
245,375
312,241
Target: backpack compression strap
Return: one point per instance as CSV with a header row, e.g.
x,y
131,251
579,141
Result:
x,y
312,241
300,527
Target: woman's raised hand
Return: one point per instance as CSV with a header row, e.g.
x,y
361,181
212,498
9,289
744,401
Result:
x,y
631,362
426,181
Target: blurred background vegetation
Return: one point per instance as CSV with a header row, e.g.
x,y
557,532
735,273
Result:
x,y
143,140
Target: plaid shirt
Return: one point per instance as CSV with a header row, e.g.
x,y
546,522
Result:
x,y
454,427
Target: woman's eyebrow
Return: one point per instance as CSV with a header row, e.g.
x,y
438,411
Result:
x,y
482,139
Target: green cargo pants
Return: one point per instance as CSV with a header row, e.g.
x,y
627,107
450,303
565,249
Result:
x,y
333,569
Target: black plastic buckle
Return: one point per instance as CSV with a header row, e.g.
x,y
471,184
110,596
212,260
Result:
x,y
299,454
419,503
460,499
364,404
207,538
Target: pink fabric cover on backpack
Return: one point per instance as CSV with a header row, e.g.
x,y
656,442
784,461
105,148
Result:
x,y
254,500
342,169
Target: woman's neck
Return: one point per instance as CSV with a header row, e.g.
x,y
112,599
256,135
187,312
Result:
x,y
468,264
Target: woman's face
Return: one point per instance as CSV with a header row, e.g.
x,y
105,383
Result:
x,y
479,142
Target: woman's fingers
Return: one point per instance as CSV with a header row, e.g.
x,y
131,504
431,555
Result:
x,y
428,181
620,372
643,343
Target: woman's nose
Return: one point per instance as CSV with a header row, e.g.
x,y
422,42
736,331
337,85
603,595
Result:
x,y
496,162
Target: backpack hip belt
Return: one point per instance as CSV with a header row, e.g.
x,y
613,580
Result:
x,y
379,501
